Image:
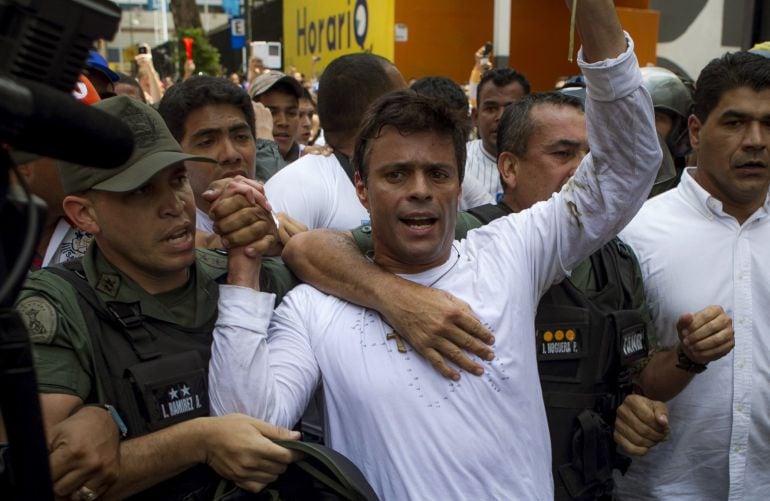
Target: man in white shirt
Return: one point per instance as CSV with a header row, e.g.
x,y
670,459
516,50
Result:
x,y
391,413
702,243
497,89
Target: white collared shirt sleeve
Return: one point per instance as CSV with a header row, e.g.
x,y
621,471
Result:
x,y
241,376
610,185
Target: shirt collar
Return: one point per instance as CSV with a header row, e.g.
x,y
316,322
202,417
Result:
x,y
706,203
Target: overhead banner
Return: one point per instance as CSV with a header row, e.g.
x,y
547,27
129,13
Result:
x,y
330,28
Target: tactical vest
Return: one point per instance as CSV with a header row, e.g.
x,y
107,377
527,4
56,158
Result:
x,y
154,373
586,344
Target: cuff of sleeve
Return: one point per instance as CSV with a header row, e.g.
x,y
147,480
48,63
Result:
x,y
613,78
245,308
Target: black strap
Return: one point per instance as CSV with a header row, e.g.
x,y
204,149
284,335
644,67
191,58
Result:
x,y
346,166
127,315
489,212
333,470
85,293
590,424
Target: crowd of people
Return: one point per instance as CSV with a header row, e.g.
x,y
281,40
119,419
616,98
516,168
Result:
x,y
567,306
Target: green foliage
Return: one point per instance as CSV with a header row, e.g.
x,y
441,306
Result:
x,y
205,55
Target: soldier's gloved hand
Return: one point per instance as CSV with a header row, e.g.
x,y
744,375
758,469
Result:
x,y
706,335
640,424
439,326
84,451
240,448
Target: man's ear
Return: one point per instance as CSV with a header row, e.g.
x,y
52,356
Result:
x,y
508,165
361,190
694,126
80,210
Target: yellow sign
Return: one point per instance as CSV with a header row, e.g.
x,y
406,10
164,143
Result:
x,y
327,29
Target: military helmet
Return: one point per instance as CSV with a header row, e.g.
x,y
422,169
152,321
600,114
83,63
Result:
x,y
671,96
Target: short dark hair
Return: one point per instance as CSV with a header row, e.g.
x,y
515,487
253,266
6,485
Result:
x,y
346,89
409,112
732,70
183,98
500,77
442,88
516,124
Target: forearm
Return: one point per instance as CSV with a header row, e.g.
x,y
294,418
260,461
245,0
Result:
x,y
150,459
156,91
331,262
600,32
661,379
241,376
243,271
613,180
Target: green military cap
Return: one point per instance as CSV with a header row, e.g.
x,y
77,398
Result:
x,y
154,150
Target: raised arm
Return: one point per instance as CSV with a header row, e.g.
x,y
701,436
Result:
x,y
613,180
600,30
435,323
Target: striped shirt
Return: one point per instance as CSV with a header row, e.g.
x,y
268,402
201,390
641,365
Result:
x,y
483,167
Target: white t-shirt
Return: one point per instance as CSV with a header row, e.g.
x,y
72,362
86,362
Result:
x,y
693,254
316,191
414,434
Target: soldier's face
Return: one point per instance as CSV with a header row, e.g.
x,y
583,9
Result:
x,y
149,233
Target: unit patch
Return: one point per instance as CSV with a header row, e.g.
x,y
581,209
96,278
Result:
x,y
565,342
633,344
40,318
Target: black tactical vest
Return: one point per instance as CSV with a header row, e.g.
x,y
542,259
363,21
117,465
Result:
x,y
154,373
586,344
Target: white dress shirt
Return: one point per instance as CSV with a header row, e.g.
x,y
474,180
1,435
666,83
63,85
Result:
x,y
413,433
692,255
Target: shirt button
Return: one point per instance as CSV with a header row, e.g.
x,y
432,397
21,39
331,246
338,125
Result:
x,y
739,408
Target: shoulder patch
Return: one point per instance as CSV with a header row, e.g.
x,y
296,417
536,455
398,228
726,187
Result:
x,y
40,318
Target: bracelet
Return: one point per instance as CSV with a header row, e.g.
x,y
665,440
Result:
x,y
686,364
115,417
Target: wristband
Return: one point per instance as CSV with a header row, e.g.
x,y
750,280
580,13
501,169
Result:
x,y
115,417
686,364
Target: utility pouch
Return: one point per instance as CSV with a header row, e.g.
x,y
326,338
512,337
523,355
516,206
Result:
x,y
631,334
171,389
589,475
